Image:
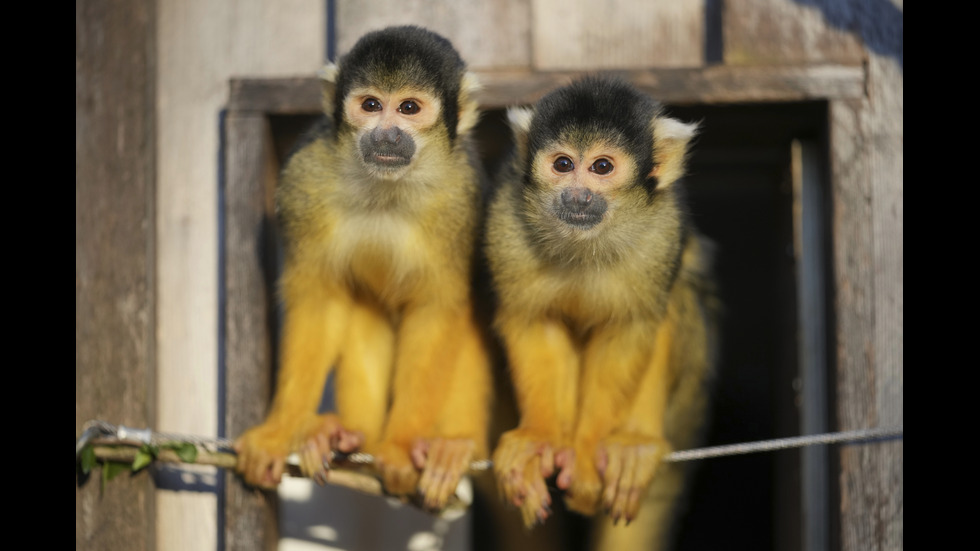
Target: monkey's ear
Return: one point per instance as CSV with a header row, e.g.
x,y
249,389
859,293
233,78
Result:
x,y
469,109
671,138
519,119
328,81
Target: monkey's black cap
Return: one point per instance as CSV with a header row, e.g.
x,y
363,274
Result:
x,y
596,106
396,57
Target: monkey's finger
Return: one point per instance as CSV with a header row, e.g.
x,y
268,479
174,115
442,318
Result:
x,y
347,441
420,454
624,483
535,508
459,457
313,456
432,463
271,473
648,461
565,458
611,474
547,455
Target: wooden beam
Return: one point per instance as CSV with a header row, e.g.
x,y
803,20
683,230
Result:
x,y
717,84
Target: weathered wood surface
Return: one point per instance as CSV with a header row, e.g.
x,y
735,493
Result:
x,y
777,32
868,223
617,34
506,88
251,518
114,254
486,34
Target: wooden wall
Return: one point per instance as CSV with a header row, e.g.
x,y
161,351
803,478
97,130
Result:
x,y
152,84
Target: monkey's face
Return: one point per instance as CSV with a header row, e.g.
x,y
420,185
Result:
x,y
390,127
582,185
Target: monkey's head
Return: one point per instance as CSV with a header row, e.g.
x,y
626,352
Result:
x,y
401,93
597,154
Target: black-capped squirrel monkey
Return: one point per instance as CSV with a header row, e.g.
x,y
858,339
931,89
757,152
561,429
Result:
x,y
380,211
605,304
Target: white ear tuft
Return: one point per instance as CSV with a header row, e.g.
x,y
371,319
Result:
x,y
519,119
469,108
673,129
671,138
328,80
328,73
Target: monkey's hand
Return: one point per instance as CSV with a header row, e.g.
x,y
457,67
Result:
x,y
325,438
262,454
521,463
627,463
579,477
443,462
394,463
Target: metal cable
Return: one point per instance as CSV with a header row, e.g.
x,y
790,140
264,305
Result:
x,y
95,429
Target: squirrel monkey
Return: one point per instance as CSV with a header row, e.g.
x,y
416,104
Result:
x,y
380,210
605,304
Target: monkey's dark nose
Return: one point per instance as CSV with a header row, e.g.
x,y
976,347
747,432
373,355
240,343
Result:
x,y
576,198
391,135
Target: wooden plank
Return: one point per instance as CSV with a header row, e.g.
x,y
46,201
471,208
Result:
x,y
251,516
114,255
868,390
280,96
777,32
486,34
716,84
617,34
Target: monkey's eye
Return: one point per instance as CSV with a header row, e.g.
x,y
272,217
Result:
x,y
408,107
564,164
371,104
602,166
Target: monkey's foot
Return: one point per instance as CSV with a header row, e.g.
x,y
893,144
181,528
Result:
x,y
398,474
262,454
522,462
580,478
326,437
627,464
443,461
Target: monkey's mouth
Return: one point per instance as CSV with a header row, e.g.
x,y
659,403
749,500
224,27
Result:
x,y
387,160
581,220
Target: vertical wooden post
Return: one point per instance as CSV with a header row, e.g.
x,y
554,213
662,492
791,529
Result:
x,y
869,367
249,309
115,329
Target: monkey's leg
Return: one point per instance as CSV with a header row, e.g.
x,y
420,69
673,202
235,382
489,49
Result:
x,y
461,434
684,342
616,362
688,334
544,371
361,390
314,327
425,359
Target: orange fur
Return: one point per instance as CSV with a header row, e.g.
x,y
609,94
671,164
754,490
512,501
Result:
x,y
606,320
376,285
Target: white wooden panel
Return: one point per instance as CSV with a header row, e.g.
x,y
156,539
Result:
x,y
486,34
617,34
201,44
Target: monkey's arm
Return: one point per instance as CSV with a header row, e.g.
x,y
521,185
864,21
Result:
x,y
544,371
432,336
314,327
461,434
619,437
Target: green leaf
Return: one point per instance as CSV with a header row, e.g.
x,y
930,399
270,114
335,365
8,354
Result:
x,y
111,469
143,458
88,458
187,452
